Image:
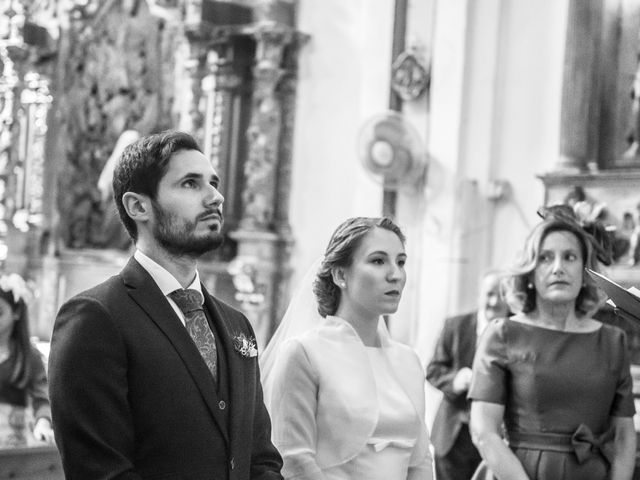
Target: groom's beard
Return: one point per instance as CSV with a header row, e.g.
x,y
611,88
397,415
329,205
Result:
x,y
178,236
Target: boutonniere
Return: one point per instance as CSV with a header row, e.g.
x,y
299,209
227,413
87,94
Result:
x,y
245,346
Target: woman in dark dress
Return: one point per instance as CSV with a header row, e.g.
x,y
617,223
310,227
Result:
x,y
555,381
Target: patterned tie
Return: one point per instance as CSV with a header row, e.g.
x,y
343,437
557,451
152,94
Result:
x,y
189,301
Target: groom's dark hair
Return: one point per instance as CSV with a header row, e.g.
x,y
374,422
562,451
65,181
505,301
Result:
x,y
142,166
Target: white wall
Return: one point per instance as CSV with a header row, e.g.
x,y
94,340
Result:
x,y
343,80
527,121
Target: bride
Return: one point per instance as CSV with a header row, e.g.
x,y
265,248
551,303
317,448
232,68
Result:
x,y
346,401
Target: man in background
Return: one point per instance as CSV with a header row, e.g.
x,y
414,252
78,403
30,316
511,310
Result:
x,y
456,457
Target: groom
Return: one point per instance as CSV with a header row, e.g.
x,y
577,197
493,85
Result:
x,y
147,375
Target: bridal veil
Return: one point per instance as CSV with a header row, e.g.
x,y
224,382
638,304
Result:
x,y
301,315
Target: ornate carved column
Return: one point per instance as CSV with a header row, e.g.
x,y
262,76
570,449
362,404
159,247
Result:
x,y
196,71
580,107
243,78
264,238
264,131
288,89
260,248
226,98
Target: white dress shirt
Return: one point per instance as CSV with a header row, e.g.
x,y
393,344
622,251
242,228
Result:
x,y
166,281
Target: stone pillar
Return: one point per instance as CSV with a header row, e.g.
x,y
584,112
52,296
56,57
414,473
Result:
x,y
580,106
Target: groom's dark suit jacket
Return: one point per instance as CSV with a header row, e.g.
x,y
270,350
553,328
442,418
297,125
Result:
x,y
455,349
132,398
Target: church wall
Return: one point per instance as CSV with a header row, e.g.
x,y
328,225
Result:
x,y
440,254
343,80
412,203
527,127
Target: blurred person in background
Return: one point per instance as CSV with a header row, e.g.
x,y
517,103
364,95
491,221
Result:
x,y
449,370
23,381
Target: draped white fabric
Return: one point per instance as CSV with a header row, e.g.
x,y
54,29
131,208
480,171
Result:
x,y
301,315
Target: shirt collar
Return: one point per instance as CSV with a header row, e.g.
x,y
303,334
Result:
x,y
481,322
163,278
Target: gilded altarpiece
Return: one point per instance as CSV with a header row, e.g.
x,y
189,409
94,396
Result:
x,y
26,72
123,69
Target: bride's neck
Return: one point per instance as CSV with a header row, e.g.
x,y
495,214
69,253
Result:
x,y
366,326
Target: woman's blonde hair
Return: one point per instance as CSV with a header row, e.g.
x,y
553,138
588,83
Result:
x,y
517,289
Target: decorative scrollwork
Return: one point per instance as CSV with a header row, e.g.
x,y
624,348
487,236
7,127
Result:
x,y
410,77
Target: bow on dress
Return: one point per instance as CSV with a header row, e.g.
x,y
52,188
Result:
x,y
586,444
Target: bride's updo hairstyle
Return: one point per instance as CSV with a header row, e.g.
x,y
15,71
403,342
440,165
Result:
x,y
342,245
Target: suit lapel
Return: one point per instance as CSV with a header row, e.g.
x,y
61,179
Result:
x,y
469,339
144,291
235,367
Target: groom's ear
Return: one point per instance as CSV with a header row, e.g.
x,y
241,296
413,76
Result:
x,y
137,206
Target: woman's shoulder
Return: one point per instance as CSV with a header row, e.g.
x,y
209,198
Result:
x,y
504,331
302,343
294,345
294,355
613,332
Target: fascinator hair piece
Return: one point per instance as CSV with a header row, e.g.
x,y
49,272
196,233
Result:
x,y
15,284
601,237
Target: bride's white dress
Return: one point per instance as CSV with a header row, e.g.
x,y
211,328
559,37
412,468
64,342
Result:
x,y
387,453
